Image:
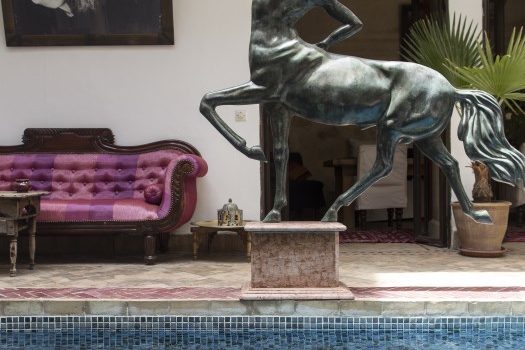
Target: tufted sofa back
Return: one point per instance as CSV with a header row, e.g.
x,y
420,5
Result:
x,y
87,176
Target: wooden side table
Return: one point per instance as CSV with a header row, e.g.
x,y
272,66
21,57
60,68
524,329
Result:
x,y
209,229
18,212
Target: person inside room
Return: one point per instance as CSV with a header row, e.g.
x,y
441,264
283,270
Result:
x,y
306,196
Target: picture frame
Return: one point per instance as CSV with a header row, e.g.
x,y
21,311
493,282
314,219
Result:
x,y
42,23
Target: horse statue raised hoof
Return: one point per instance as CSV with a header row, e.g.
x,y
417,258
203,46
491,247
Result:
x,y
257,153
407,103
273,216
330,216
480,216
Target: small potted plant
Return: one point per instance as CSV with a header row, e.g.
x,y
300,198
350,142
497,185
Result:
x,y
481,240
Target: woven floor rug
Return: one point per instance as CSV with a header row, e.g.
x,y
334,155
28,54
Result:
x,y
377,236
515,234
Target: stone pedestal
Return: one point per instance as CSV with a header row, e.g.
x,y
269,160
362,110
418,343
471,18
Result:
x,y
295,260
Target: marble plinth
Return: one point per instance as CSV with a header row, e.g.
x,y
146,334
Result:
x,y
295,260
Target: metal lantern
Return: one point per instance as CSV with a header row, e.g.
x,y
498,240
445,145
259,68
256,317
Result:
x,y
229,215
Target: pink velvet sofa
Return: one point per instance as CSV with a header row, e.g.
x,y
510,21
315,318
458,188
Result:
x,y
97,187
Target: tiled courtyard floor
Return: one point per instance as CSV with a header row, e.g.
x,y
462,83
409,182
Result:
x,y
372,271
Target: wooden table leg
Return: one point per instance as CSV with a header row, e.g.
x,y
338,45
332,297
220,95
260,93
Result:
x,y
32,243
211,236
195,244
247,242
248,245
13,247
12,232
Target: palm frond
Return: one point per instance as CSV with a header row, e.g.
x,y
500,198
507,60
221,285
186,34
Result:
x,y
501,76
434,41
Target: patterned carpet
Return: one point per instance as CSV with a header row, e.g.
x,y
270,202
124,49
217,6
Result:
x,y
377,236
515,234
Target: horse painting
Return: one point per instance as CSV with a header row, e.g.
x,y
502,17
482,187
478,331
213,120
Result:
x,y
407,102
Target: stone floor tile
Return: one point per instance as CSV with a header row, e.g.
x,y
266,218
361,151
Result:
x,y
148,307
317,307
446,308
490,308
357,308
386,272
518,308
64,307
23,308
393,308
228,308
190,307
272,307
106,307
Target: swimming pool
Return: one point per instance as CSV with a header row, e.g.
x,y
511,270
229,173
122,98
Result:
x,y
185,332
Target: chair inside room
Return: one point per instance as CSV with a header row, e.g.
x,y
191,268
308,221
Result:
x,y
389,193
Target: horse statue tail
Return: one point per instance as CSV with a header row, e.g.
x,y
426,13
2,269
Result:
x,y
483,136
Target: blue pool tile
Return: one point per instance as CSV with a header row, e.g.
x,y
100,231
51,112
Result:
x,y
184,332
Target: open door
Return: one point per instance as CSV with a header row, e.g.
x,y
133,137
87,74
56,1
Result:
x,y
431,197
431,192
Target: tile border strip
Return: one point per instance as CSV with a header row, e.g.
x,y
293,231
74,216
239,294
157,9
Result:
x,y
326,308
243,323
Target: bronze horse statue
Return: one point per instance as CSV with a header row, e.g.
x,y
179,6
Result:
x,y
407,103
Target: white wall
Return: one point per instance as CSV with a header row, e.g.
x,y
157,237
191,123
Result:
x,y
473,9
146,94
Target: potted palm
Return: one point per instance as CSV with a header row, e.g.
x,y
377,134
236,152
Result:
x,y
454,50
477,239
504,78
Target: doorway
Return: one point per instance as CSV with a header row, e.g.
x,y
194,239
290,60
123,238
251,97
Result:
x,y
501,17
327,155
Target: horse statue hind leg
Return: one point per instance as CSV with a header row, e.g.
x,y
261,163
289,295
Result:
x,y
245,94
436,151
280,121
386,145
481,130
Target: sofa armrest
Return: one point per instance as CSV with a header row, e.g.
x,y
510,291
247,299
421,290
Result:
x,y
199,167
180,192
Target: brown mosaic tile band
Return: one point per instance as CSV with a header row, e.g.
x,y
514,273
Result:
x,y
440,293
224,293
182,293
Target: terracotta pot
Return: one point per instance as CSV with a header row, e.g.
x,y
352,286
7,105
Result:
x,y
482,240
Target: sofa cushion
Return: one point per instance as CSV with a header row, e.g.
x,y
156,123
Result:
x,y
153,194
99,186
97,210
88,176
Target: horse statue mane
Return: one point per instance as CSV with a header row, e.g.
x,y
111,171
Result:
x,y
407,102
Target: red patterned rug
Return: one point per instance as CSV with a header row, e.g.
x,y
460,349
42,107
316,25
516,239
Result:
x,y
377,236
515,234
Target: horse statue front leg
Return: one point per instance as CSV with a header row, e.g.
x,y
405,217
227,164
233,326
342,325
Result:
x,y
245,94
280,120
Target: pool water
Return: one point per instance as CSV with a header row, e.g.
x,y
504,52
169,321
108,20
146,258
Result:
x,y
262,333
257,339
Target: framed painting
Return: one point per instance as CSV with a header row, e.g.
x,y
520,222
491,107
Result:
x,y
88,22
